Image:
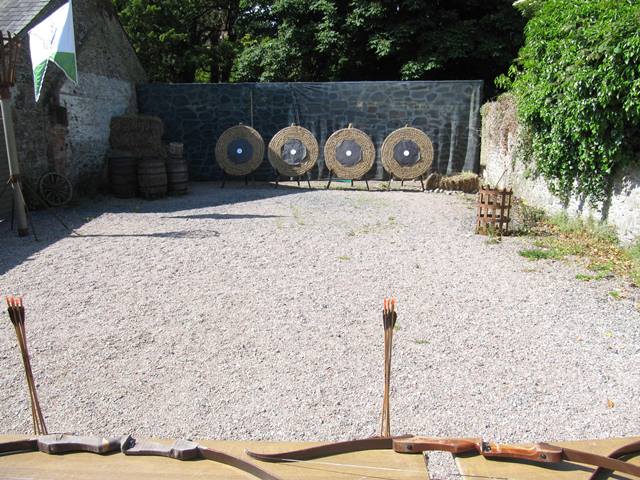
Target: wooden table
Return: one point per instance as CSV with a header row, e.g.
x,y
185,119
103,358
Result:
x,y
380,464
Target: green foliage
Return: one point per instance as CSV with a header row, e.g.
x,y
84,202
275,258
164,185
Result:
x,y
528,217
577,80
594,230
540,254
317,40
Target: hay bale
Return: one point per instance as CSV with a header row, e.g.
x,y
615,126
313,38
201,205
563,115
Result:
x,y
136,132
466,182
433,181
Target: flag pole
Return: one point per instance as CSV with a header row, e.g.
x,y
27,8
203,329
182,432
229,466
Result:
x,y
8,54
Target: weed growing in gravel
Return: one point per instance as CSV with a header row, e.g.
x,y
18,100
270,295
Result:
x,y
527,218
297,215
344,258
493,236
539,254
615,294
371,228
422,342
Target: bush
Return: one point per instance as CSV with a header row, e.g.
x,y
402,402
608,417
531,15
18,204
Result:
x,y
577,82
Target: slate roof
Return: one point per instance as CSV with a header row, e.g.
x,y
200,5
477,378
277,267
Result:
x,y
15,15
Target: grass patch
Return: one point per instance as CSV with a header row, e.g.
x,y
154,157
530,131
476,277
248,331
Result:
x,y
596,243
540,254
344,258
422,342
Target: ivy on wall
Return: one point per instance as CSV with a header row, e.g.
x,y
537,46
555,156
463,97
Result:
x,y
577,83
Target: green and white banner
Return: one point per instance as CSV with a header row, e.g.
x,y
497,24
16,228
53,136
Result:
x,y
53,39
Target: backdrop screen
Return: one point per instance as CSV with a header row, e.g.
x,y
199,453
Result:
x,y
196,115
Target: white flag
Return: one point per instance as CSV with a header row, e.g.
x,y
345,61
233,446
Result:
x,y
53,39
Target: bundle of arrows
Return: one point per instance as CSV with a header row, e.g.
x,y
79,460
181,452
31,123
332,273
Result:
x,y
16,314
389,317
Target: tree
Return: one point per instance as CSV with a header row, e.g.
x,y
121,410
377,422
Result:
x,y
182,40
302,40
383,40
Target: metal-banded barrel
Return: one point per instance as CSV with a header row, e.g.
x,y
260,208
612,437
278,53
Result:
x,y
177,171
123,176
152,177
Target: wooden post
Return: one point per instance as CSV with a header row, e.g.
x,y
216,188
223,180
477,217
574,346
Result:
x,y
8,54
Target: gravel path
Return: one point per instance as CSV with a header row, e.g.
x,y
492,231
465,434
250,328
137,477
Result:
x,y
253,313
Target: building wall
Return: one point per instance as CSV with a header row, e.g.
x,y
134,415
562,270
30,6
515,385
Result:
x,y
502,163
68,129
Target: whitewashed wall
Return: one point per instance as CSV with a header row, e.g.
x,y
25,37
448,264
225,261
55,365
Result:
x,y
499,157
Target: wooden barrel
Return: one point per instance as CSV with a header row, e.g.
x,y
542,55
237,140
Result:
x,y
177,175
123,176
152,177
176,148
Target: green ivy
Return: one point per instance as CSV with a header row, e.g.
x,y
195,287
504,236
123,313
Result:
x,y
577,81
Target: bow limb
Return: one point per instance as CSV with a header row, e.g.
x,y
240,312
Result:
x,y
17,446
329,449
187,450
629,449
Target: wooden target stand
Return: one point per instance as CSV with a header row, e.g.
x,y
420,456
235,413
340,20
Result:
x,y
421,178
352,180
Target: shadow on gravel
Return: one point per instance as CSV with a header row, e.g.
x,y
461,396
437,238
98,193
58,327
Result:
x,y
14,250
224,216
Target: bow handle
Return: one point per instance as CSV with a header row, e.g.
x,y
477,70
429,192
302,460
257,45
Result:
x,y
180,449
58,443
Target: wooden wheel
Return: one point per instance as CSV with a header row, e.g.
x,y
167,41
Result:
x,y
55,189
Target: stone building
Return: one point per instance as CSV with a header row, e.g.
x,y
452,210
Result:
x,y
67,131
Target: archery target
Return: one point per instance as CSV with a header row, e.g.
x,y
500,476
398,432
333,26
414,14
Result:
x,y
349,153
239,150
293,151
407,153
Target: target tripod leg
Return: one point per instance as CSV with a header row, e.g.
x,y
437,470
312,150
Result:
x,y
330,177
224,178
13,210
402,183
246,180
298,180
46,207
277,178
33,228
389,184
308,181
422,182
366,182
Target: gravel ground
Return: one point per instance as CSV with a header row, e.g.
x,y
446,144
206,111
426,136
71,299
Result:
x,y
254,313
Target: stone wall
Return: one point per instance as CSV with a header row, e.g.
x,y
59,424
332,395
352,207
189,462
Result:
x,y
67,131
502,163
196,115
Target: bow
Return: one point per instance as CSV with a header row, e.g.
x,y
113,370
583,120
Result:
x,y
180,450
539,453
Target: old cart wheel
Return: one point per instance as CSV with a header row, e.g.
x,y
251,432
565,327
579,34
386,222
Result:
x,y
55,189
